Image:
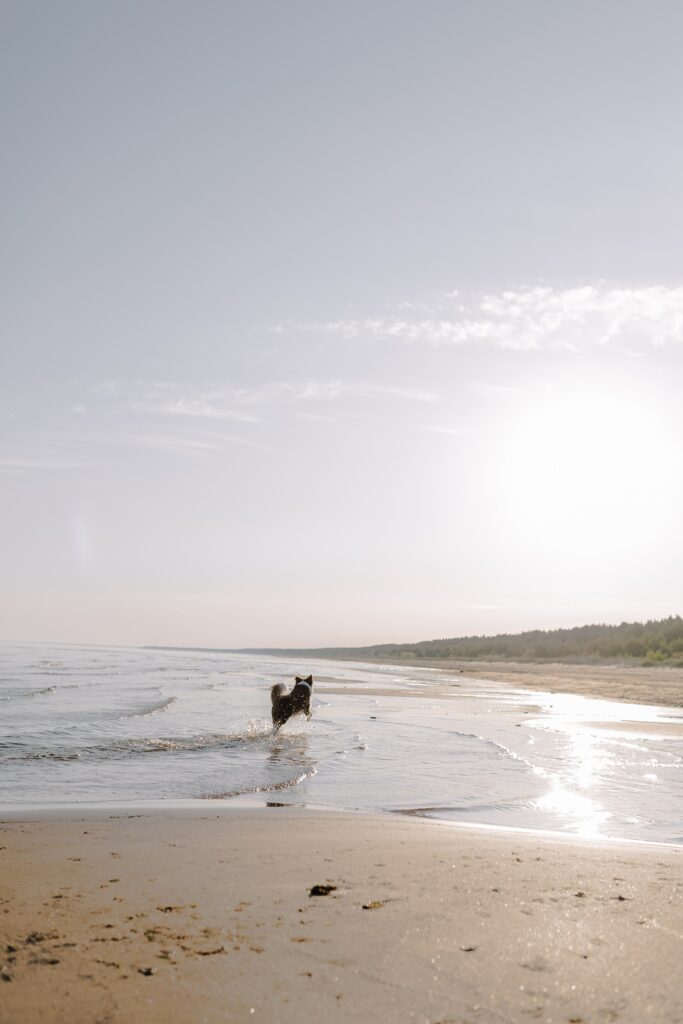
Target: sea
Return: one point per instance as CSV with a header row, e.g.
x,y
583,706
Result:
x,y
83,725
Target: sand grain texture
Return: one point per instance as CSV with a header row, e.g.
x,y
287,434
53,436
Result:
x,y
204,917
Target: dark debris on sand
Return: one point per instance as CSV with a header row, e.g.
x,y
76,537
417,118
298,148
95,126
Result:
x,y
322,890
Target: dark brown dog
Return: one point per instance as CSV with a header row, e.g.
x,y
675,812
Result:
x,y
296,702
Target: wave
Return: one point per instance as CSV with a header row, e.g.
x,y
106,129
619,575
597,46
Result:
x,y
49,755
255,731
24,694
273,787
444,810
51,672
150,709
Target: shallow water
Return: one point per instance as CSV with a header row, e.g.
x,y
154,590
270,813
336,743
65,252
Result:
x,y
83,724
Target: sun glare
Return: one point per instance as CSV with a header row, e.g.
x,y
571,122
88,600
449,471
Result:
x,y
588,472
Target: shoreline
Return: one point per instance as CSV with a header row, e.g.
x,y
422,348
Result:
x,y
200,807
659,686
206,917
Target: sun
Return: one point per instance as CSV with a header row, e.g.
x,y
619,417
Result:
x,y
587,471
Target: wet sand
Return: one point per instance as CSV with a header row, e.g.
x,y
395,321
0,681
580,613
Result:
x,y
635,684
204,914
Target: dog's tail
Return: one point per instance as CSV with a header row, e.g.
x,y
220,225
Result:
x,y
277,691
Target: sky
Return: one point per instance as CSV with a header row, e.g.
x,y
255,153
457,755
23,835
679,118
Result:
x,y
339,323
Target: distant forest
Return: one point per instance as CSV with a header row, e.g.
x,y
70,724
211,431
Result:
x,y
657,641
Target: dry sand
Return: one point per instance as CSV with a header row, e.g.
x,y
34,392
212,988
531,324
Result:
x,y
633,683
204,915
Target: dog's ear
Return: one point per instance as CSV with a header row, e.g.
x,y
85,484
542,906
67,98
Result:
x,y
298,679
309,679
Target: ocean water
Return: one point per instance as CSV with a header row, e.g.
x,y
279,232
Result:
x,y
111,724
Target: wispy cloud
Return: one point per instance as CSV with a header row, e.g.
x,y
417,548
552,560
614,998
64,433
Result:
x,y
192,444
199,408
528,319
238,404
28,463
316,417
408,394
485,390
326,390
449,431
186,419
166,442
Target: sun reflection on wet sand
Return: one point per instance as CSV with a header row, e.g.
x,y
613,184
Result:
x,y
570,793
590,726
569,707
588,817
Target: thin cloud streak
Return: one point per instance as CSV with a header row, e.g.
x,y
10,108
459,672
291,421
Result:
x,y
177,444
206,442
198,408
168,416
330,390
484,390
449,431
221,404
529,319
24,464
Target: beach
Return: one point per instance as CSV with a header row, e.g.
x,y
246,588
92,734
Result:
x,y
198,914
432,847
634,684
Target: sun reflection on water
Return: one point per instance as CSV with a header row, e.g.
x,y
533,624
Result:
x,y
586,764
587,816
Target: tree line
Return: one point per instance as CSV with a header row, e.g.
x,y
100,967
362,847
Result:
x,y
657,641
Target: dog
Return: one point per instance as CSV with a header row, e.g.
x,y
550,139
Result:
x,y
296,702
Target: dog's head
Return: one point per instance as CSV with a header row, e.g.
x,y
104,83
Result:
x,y
302,692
